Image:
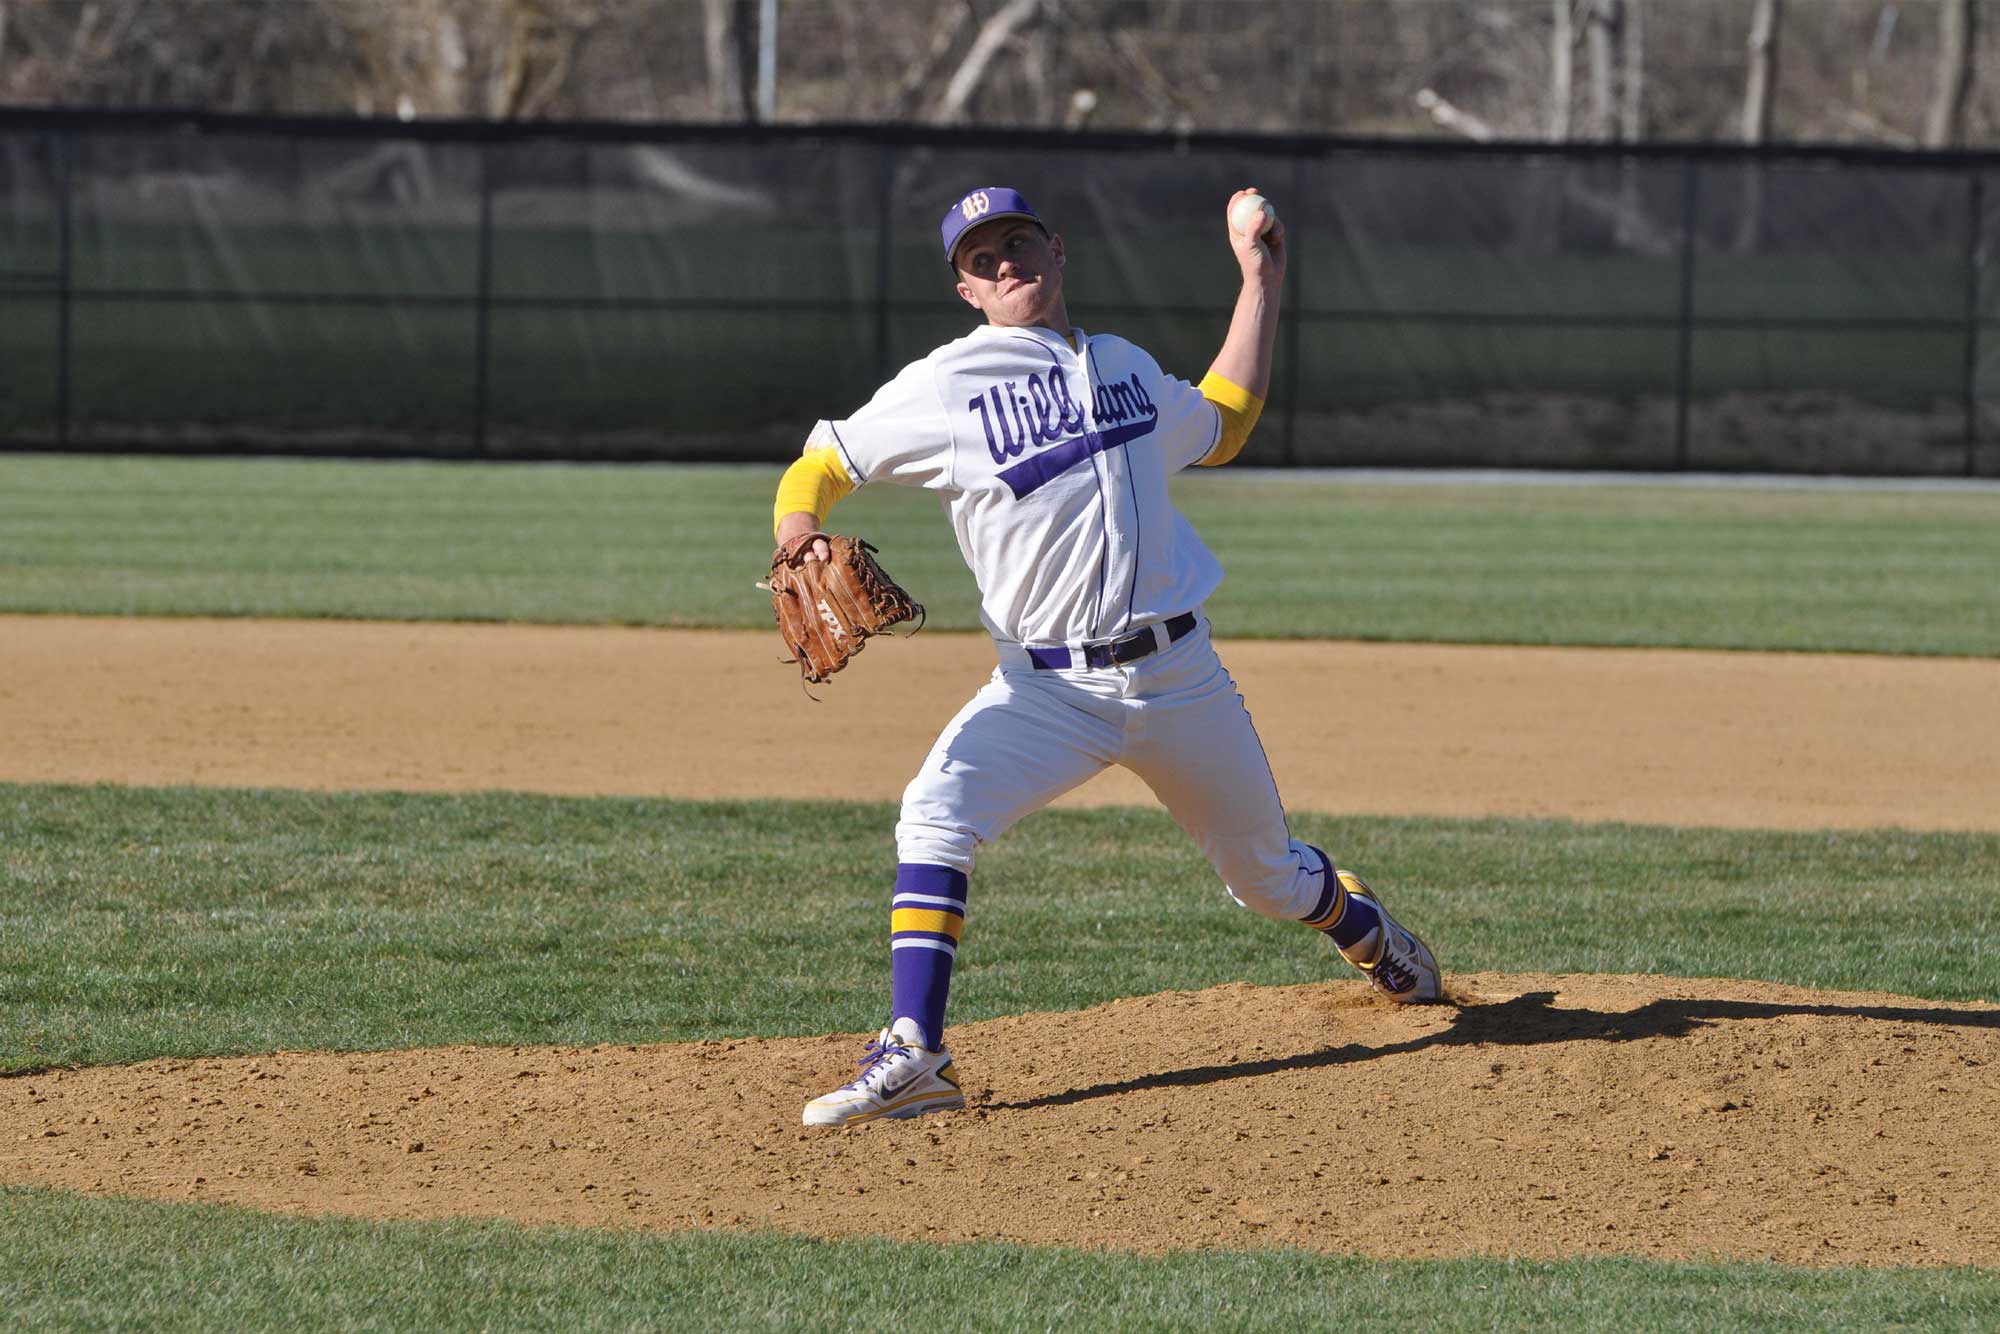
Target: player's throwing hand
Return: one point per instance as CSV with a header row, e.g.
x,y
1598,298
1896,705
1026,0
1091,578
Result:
x,y
1257,236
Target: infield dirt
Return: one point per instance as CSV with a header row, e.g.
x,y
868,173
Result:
x,y
1539,1116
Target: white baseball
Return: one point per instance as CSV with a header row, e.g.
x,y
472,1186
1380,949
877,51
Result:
x,y
1252,210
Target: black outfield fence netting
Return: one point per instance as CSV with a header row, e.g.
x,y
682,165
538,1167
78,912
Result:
x,y
204,284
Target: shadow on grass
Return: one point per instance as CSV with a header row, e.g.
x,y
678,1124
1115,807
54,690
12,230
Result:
x,y
1525,1021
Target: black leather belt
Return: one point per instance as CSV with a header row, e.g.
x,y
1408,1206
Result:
x,y
1111,652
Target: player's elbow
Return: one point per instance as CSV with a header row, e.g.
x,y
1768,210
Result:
x,y
1226,449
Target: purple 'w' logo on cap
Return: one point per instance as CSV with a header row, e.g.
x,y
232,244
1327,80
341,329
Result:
x,y
974,204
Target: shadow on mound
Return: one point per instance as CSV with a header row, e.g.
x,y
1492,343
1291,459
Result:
x,y
1528,1020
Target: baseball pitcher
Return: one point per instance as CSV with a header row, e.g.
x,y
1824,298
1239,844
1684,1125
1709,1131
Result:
x,y
1051,447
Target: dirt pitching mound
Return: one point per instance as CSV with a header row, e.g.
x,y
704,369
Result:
x,y
1544,1116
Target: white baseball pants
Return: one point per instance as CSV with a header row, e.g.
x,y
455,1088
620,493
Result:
x,y
1173,717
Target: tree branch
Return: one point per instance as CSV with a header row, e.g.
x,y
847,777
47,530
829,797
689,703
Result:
x,y
910,90
997,32
1449,116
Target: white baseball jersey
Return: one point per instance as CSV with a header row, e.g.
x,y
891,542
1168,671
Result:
x,y
1053,464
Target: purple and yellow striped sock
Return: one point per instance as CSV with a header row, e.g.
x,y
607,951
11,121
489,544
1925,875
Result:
x,y
925,920
1348,920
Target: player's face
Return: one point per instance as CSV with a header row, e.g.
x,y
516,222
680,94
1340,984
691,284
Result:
x,y
1011,271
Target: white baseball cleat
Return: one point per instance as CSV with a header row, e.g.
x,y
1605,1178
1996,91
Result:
x,y
1399,965
899,1077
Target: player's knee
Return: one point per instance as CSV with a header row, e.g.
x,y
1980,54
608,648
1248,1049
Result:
x,y
1263,897
1275,886
935,843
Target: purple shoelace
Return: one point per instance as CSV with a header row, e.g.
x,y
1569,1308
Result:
x,y
878,1052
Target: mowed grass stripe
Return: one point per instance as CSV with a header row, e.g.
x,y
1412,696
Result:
x,y
77,1261
178,922
1308,556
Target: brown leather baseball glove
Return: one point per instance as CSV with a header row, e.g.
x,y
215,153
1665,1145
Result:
x,y
827,610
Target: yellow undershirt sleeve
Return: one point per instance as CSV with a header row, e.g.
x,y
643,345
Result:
x,y
811,485
1239,408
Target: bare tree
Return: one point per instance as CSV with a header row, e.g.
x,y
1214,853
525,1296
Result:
x,y
1562,68
731,52
1760,89
1631,71
1944,126
1615,40
1601,26
1566,70
1759,92
1633,223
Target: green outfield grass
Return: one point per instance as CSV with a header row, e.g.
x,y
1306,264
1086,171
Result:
x,y
1869,571
81,1263
191,922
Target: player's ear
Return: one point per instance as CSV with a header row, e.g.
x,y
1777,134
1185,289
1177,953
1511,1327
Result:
x,y
1055,249
966,293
